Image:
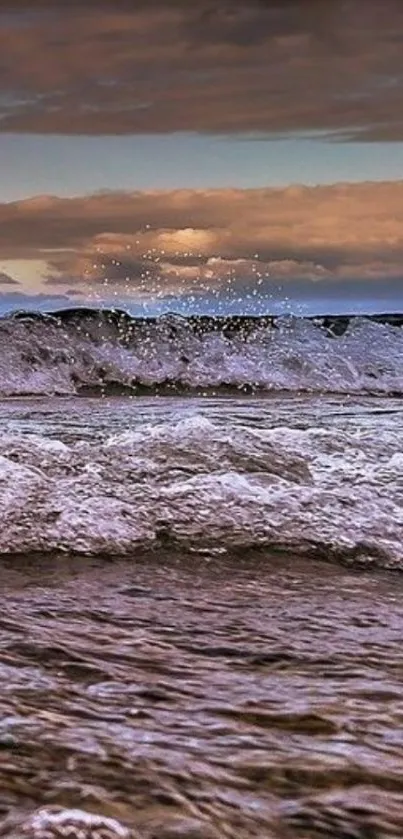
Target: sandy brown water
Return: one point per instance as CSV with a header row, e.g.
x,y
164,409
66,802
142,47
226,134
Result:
x,y
256,696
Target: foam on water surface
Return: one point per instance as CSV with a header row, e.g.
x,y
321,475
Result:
x,y
114,477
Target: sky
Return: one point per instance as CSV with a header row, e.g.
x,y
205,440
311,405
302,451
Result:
x,y
219,157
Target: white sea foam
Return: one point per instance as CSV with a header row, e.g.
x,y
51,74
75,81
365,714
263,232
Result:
x,y
204,485
49,822
47,356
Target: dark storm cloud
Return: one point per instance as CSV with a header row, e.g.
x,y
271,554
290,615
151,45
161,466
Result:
x,y
227,67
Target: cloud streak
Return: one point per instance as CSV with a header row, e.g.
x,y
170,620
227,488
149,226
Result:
x,y
230,68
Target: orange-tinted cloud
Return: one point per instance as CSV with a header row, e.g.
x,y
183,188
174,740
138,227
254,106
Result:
x,y
264,66
190,240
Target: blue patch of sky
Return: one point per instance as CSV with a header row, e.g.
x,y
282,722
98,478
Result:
x,y
67,166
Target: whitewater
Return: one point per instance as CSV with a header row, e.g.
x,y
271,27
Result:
x,y
318,475
79,351
201,551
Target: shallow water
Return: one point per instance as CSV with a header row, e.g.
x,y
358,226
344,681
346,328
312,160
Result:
x,y
198,681
257,695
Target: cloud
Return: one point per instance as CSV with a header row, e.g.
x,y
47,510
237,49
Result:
x,y
192,242
5,279
226,67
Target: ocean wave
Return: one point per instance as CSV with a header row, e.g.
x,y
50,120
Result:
x,y
205,487
89,351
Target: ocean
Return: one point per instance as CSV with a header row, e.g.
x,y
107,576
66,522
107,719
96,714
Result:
x,y
201,551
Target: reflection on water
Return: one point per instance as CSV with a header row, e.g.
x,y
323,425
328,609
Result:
x,y
252,696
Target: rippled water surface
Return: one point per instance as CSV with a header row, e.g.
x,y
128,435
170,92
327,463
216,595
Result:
x,y
78,418
246,693
253,694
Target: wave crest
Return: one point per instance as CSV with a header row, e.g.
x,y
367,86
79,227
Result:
x,y
90,351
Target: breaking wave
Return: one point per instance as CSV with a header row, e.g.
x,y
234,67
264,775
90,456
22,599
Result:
x,y
90,351
205,486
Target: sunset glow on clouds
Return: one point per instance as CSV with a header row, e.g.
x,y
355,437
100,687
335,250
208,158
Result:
x,y
263,69
187,242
